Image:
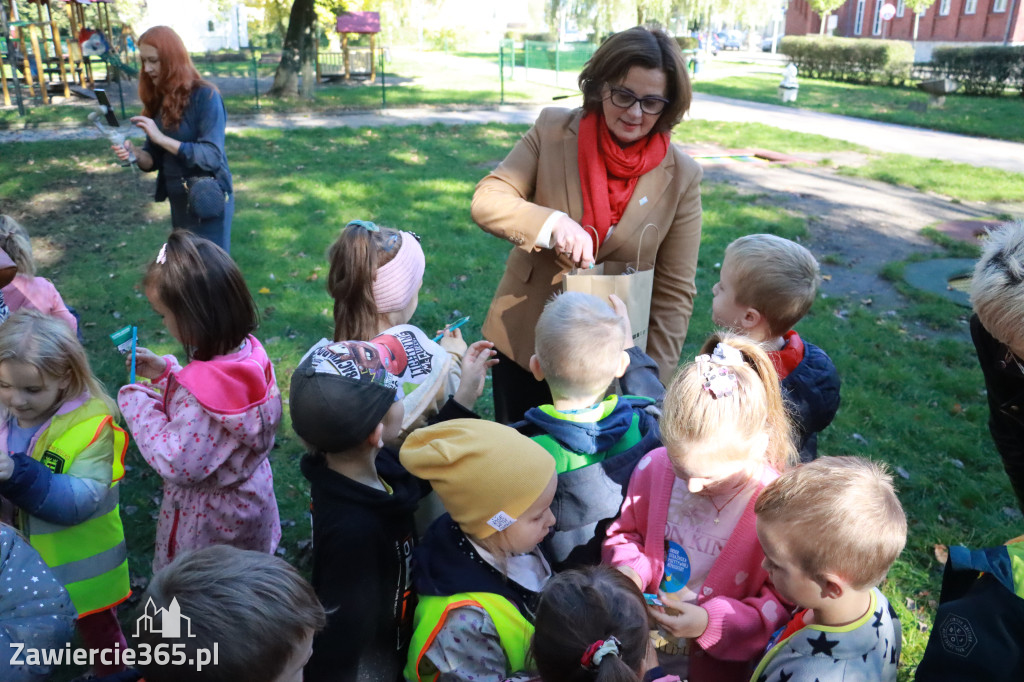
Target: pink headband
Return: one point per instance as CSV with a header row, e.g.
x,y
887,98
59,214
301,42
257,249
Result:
x,y
399,280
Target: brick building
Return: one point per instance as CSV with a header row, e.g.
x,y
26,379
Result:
x,y
945,22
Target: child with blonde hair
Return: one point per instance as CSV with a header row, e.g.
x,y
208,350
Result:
x,y
375,277
206,428
583,345
767,284
687,529
830,530
26,290
478,572
61,457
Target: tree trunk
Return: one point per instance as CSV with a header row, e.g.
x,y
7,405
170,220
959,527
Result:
x,y
824,23
917,22
298,53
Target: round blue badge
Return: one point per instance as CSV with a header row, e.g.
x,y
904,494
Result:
x,y
677,569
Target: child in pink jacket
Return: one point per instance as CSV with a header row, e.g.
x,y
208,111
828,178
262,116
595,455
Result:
x,y
687,526
207,428
26,290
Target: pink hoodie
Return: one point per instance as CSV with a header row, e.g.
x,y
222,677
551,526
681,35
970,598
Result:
x,y
208,435
743,608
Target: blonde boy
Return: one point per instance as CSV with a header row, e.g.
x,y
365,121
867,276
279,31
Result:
x,y
582,346
766,285
830,529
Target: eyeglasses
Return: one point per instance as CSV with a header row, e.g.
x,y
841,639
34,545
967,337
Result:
x,y
624,99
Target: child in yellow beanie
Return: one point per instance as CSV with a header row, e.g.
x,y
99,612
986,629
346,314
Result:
x,y
478,570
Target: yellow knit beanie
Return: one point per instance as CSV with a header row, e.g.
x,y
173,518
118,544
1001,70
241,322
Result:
x,y
486,474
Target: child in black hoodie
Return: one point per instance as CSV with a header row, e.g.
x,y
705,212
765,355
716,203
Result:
x,y
344,404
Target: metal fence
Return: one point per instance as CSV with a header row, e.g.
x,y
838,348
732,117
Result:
x,y
556,64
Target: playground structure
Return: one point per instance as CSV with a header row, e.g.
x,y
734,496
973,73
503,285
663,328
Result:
x,y
334,65
46,60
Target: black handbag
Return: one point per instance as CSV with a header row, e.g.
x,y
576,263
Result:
x,y
206,198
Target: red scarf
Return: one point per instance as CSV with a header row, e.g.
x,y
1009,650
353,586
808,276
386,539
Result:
x,y
609,173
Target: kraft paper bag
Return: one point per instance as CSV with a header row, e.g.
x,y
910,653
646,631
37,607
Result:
x,y
624,280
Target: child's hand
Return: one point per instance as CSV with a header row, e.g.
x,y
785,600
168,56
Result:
x,y
452,341
620,309
690,622
6,467
632,575
475,363
147,363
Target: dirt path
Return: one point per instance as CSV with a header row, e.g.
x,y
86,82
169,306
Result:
x,y
856,226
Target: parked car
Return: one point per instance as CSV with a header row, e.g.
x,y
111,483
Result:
x,y
731,40
766,44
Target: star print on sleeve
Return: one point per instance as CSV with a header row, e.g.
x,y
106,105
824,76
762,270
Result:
x,y
822,645
877,624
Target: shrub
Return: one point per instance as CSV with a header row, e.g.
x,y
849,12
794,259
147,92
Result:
x,y
851,60
986,70
687,42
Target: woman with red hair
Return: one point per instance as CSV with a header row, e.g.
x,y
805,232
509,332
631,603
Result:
x,y
184,119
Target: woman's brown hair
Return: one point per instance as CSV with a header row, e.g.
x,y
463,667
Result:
x,y
204,289
355,256
648,49
580,607
178,78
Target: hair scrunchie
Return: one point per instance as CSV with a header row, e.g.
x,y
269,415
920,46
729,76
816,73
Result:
x,y
596,652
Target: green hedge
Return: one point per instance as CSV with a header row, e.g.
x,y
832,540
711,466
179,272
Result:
x,y
687,42
987,70
851,60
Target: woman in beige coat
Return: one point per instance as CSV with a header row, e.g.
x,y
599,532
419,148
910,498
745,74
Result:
x,y
609,166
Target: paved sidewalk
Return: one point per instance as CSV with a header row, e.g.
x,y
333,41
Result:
x,y
884,137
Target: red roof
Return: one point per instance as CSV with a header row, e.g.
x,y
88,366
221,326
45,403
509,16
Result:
x,y
359,22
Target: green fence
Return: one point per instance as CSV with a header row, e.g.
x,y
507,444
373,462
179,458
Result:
x,y
547,63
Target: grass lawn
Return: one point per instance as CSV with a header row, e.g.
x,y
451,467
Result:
x,y
912,393
996,117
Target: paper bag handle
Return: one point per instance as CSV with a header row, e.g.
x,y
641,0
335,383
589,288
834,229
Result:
x,y
640,243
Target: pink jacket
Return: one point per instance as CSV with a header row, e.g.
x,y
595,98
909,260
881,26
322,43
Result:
x,y
743,608
208,435
37,293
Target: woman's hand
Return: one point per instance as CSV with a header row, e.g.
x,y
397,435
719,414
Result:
x,y
475,363
573,242
620,309
123,151
690,622
149,126
147,363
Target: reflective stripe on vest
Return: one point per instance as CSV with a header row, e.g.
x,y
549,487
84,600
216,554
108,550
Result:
x,y
89,558
514,631
1016,552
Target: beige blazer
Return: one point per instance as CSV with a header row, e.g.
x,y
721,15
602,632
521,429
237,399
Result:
x,y
541,175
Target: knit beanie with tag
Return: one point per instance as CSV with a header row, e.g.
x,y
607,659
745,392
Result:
x,y
486,474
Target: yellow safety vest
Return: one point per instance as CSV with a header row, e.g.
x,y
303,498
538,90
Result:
x,y
90,558
514,631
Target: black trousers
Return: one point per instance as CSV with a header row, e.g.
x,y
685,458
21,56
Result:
x,y
515,390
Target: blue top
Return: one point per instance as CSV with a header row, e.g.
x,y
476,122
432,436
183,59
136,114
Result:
x,y
201,133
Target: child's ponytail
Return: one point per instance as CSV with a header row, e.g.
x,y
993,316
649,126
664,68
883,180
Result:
x,y
696,410
356,256
591,626
15,242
